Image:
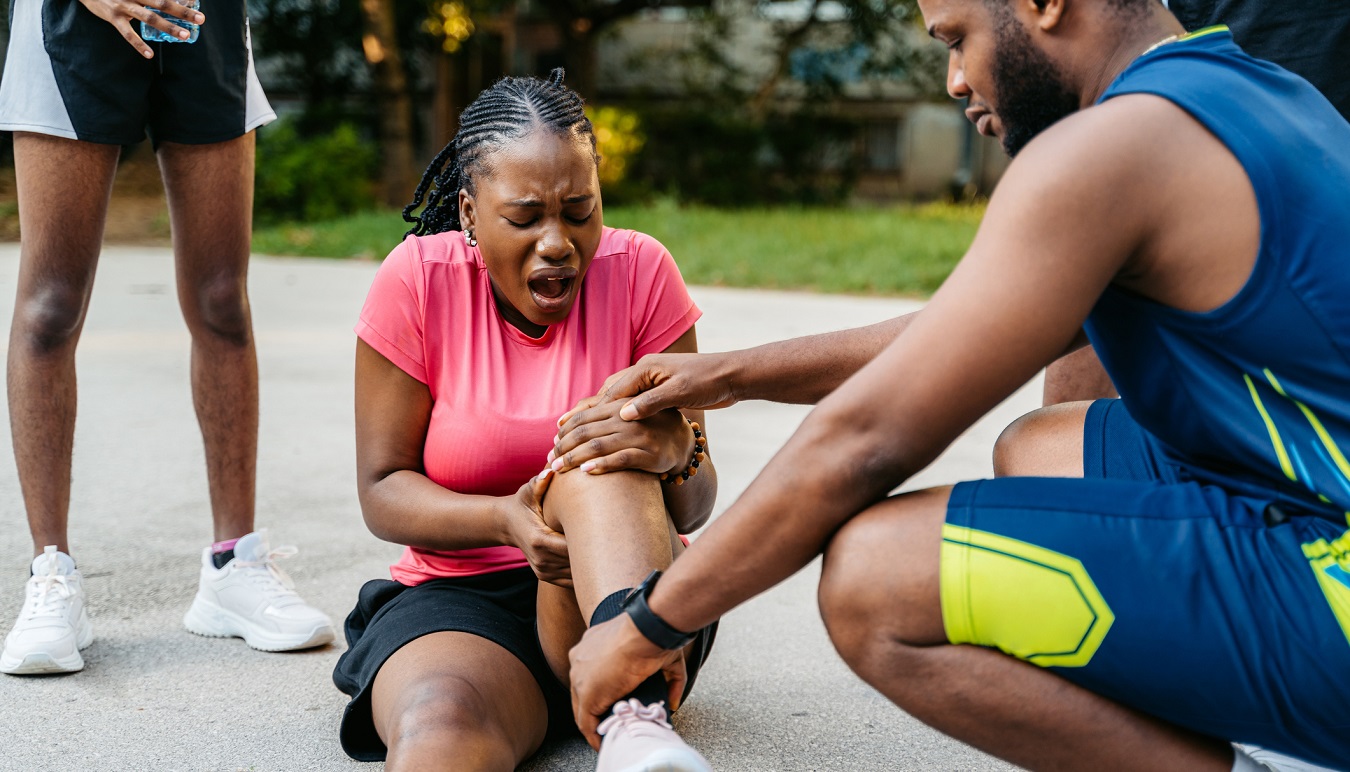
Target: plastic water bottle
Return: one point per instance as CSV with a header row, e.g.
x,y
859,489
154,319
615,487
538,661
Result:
x,y
155,36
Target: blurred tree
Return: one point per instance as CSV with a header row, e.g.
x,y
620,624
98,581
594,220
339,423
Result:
x,y
818,47
380,44
312,48
346,60
579,24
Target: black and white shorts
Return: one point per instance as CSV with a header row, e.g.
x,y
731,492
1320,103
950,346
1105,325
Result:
x,y
70,74
498,606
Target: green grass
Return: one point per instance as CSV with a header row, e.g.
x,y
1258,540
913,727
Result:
x,y
897,250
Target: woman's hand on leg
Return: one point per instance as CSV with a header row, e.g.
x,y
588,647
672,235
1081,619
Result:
x,y
526,529
593,438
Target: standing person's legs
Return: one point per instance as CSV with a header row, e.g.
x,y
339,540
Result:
x,y
63,186
210,192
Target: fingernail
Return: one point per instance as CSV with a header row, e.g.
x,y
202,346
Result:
x,y
588,466
556,465
557,437
552,455
184,34
628,412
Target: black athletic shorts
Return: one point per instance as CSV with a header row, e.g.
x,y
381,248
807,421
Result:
x,y
499,607
70,74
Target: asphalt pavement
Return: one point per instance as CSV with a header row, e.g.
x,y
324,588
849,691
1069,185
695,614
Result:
x,y
775,695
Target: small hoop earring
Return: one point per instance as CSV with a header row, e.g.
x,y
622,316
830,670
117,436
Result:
x,y
469,238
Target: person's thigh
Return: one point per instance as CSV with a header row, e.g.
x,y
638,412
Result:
x,y
453,683
63,188
1175,599
210,193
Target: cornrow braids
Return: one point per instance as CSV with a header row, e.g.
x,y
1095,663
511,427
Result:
x,y
507,110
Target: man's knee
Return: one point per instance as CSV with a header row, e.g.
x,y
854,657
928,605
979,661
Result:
x,y
879,585
49,319
219,307
1047,442
1012,449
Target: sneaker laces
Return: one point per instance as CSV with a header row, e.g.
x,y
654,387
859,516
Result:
x,y
632,710
41,589
267,576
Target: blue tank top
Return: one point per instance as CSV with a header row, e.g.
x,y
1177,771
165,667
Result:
x,y
1253,396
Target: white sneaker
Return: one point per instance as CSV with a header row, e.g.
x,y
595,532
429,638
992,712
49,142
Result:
x,y
638,738
53,625
253,599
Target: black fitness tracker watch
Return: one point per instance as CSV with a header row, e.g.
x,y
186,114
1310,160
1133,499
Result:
x,y
652,627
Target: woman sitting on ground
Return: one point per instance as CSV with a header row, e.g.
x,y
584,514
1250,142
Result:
x,y
505,306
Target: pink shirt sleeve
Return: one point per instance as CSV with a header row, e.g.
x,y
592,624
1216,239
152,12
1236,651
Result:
x,y
662,308
392,319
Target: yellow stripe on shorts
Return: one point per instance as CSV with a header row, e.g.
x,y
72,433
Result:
x,y
1331,564
1027,601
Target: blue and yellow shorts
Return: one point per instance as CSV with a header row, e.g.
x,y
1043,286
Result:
x,y
1177,599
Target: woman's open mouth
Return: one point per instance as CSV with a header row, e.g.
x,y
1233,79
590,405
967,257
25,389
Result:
x,y
551,288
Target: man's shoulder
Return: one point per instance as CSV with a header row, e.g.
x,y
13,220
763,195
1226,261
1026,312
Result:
x,y
1120,139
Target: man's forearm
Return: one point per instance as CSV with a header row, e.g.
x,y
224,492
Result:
x,y
803,371
786,516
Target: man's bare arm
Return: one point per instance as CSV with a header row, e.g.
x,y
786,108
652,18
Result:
x,y
800,371
1016,302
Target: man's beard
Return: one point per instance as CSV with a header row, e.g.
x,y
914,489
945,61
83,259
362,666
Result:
x,y
1030,90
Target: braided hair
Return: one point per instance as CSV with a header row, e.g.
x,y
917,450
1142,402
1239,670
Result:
x,y
507,110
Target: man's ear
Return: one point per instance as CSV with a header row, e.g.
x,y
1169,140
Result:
x,y
466,213
1049,13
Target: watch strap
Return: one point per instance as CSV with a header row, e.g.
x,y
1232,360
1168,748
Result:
x,y
652,627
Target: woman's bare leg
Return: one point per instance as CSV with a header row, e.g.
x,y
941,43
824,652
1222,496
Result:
x,y
617,530
456,701
561,623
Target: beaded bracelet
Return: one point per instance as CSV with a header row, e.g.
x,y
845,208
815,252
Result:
x,y
700,453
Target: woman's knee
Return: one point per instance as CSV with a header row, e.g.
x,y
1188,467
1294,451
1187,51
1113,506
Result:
x,y
218,307
575,490
879,585
1047,442
441,712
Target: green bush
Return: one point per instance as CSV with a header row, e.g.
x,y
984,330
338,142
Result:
x,y
311,178
727,158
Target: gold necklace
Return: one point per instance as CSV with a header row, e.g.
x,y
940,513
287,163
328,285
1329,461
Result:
x,y
1161,43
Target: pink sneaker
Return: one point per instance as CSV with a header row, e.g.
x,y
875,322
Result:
x,y
638,738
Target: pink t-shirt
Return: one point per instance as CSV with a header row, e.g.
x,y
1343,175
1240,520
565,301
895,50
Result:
x,y
497,393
